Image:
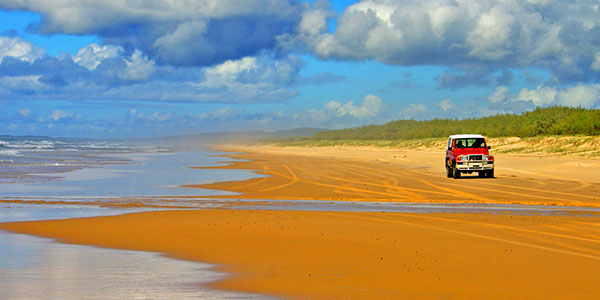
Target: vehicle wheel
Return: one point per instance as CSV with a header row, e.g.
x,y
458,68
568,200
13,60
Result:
x,y
455,172
490,173
448,170
483,174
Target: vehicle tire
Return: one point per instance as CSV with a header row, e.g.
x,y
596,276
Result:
x,y
448,170
483,174
455,172
490,173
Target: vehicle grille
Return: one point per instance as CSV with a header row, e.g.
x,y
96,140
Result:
x,y
475,157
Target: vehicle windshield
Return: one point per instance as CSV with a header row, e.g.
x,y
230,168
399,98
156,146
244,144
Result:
x,y
469,143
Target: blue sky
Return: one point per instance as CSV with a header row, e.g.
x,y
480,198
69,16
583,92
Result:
x,y
143,69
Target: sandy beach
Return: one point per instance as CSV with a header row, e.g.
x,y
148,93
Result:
x,y
401,175
375,255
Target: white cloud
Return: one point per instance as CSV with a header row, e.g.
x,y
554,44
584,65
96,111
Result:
x,y
445,104
542,95
413,111
314,22
79,16
370,107
335,114
19,49
231,69
574,96
557,36
93,55
162,116
500,94
579,95
134,76
59,114
138,67
176,32
490,39
23,83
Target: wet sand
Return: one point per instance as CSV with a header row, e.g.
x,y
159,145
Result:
x,y
371,255
342,255
33,268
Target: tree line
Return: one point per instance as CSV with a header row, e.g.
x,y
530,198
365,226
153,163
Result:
x,y
556,120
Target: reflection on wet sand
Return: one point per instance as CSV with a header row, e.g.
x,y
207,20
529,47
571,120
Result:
x,y
36,268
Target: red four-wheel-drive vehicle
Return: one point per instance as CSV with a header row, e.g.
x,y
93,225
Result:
x,y
468,153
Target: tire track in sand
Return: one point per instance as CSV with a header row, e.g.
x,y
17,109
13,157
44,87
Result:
x,y
396,196
294,179
465,233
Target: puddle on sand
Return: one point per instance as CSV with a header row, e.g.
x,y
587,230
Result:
x,y
37,268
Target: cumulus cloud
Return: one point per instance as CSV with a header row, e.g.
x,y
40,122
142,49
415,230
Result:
x,y
579,95
109,73
554,35
17,48
474,39
370,107
137,67
542,95
333,114
93,54
232,69
182,33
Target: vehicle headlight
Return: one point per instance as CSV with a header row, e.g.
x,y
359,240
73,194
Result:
x,y
463,157
488,158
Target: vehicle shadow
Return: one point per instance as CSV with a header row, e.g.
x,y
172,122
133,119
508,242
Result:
x,y
472,177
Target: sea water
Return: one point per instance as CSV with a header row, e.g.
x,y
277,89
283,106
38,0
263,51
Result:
x,y
77,172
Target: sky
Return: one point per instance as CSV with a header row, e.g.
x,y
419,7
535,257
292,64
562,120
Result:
x,y
122,69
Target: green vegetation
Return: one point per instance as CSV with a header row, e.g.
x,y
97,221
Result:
x,y
544,131
540,122
583,146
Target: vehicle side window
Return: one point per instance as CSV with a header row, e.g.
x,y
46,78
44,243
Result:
x,y
449,143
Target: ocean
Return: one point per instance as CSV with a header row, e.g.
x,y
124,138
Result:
x,y
84,171
45,178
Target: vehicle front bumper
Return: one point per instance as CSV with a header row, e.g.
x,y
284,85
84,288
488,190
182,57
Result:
x,y
475,165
